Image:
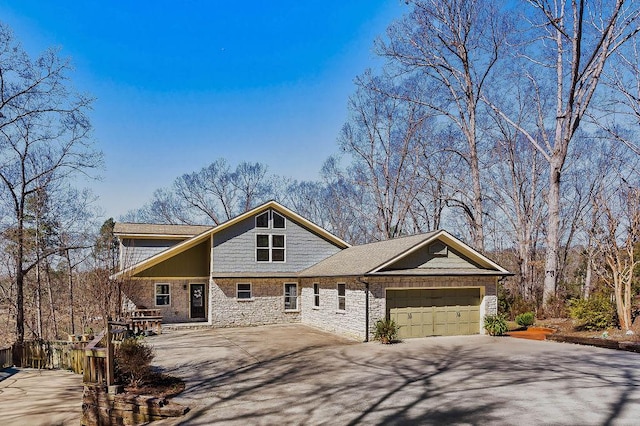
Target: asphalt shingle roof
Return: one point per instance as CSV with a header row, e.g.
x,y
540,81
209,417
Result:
x,y
125,228
359,260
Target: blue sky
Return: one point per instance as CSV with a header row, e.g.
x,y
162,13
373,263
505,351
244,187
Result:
x,y
179,84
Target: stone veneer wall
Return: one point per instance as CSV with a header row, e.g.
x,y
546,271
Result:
x,y
266,305
143,294
351,322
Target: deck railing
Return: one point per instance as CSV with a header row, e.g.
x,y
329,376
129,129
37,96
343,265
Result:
x,y
145,320
99,353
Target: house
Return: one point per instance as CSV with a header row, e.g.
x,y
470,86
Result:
x,y
272,266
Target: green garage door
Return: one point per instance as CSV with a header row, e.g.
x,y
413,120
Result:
x,y
441,312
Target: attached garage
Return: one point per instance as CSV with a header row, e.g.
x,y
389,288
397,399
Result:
x,y
429,284
434,312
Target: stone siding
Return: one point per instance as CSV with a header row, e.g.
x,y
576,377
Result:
x,y
266,305
349,323
143,295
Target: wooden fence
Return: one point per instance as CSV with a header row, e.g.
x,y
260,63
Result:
x,y
6,357
94,359
55,354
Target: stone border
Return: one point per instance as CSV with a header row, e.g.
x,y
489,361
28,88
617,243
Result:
x,y
594,341
102,406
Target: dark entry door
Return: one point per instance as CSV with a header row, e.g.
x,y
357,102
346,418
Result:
x,y
197,301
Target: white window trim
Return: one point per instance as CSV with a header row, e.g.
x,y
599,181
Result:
x,y
270,248
297,296
316,296
272,212
156,294
341,297
268,220
244,299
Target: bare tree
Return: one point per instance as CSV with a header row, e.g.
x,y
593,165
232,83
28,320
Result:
x,y
517,187
569,44
617,237
451,49
44,140
383,139
214,194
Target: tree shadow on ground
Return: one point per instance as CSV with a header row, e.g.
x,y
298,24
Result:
x,y
399,384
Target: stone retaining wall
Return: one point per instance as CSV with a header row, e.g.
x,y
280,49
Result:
x,y
99,407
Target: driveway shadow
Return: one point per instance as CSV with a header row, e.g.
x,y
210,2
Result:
x,y
472,380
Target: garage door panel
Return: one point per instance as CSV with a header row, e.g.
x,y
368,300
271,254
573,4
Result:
x,y
428,312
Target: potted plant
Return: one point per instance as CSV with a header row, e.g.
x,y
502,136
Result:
x,y
386,331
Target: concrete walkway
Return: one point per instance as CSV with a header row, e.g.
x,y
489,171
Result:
x,y
40,397
297,375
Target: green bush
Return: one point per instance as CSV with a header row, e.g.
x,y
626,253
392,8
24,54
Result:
x,y
526,319
386,331
495,325
133,362
595,313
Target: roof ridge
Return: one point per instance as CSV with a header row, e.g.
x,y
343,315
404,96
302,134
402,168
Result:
x,y
425,234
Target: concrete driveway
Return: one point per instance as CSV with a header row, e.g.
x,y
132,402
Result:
x,y
297,375
40,397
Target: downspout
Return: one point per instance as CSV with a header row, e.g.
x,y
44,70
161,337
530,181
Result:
x,y
366,308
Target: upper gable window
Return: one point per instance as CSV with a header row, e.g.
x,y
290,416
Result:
x,y
270,219
277,220
262,220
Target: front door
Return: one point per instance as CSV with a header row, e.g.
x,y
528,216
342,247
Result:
x,y
197,301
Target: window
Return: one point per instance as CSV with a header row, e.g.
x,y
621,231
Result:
x,y
270,248
270,219
262,220
262,248
290,296
243,291
316,295
163,295
341,297
278,220
277,248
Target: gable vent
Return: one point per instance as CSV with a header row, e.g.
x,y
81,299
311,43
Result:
x,y
438,248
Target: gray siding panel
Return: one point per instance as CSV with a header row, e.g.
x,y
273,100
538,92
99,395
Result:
x,y
235,248
423,259
136,250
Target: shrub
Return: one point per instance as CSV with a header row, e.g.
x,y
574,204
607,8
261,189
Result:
x,y
595,313
133,362
495,325
386,331
526,319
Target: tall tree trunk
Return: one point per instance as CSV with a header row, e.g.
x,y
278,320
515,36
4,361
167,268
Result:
x,y
51,302
71,310
553,232
20,280
478,231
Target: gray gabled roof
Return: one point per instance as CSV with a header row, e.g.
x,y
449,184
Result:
x,y
374,258
126,229
360,260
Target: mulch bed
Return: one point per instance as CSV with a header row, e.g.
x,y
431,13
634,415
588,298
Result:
x,y
532,333
566,331
159,385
